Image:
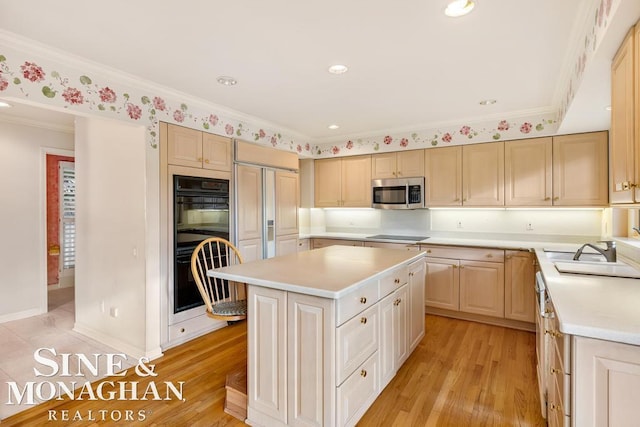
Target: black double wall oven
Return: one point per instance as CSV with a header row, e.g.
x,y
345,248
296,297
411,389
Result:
x,y
200,211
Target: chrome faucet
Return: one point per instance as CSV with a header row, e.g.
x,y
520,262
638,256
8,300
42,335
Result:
x,y
609,253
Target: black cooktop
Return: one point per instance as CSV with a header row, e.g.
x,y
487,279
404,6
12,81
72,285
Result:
x,y
394,237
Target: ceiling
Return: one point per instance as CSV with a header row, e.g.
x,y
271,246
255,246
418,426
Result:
x,y
410,66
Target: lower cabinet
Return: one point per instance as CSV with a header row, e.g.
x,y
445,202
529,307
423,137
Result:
x,y
321,362
482,288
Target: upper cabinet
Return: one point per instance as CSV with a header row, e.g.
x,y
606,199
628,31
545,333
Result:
x,y
483,174
401,164
343,182
580,169
443,172
625,116
190,147
528,172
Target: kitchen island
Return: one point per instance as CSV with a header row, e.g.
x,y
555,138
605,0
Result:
x,y
327,330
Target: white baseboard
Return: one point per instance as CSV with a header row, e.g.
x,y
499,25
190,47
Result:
x,y
117,344
20,315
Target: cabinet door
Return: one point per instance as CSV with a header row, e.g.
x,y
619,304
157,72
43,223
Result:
x,y
606,383
519,277
401,324
387,352
216,152
443,172
310,352
580,170
621,142
250,249
184,146
528,172
287,203
304,245
267,354
356,181
249,182
482,288
417,272
483,174
410,163
636,110
327,183
286,245
442,289
383,166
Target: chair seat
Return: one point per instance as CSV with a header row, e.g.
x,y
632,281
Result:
x,y
230,308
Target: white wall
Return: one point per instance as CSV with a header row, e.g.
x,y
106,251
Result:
x,y
111,233
23,269
544,223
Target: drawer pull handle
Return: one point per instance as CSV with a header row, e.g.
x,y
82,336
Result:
x,y
489,255
363,373
363,320
363,300
428,251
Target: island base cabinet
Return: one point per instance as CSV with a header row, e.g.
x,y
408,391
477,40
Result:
x,y
606,383
358,392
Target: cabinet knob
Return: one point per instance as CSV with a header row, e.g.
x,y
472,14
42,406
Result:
x,y
457,199
411,274
546,199
489,255
397,302
555,371
396,280
363,300
182,330
399,173
363,373
462,266
553,407
363,320
206,160
556,198
464,200
454,266
428,251
199,159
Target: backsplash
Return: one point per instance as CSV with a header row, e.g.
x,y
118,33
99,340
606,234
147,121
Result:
x,y
530,222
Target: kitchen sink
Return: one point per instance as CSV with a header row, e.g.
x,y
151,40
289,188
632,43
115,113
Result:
x,y
568,257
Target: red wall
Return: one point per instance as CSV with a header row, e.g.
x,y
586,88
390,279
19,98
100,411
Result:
x,y
53,215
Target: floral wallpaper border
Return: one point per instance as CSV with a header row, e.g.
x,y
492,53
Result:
x,y
603,10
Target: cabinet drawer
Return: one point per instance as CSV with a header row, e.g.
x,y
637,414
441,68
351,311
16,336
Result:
x,y
358,392
323,243
556,411
356,301
356,340
393,281
561,344
471,254
562,380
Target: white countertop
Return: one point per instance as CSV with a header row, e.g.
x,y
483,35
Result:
x,y
328,272
600,307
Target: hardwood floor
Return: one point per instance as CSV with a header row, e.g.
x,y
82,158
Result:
x,y
461,374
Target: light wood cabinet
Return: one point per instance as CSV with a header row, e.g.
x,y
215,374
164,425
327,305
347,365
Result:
x,y
624,120
304,244
483,174
401,164
249,186
482,288
528,172
519,293
442,289
401,246
417,280
580,170
287,244
287,202
323,243
606,383
443,172
190,147
316,361
343,182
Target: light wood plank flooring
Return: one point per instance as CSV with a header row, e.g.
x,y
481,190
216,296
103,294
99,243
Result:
x,y
462,373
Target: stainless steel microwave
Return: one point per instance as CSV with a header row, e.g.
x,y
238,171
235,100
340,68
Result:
x,y
398,193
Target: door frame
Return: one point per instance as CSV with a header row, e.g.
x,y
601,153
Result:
x,y
43,298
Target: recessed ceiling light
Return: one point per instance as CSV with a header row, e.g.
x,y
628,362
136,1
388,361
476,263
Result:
x,y
487,102
333,127
458,8
226,80
338,69
608,108
4,104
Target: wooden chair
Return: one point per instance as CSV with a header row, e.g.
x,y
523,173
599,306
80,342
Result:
x,y
224,299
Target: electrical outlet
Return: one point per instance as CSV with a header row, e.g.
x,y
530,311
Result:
x,y
114,311
459,225
529,226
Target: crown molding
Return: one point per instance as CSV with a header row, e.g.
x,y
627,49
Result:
x,y
23,121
